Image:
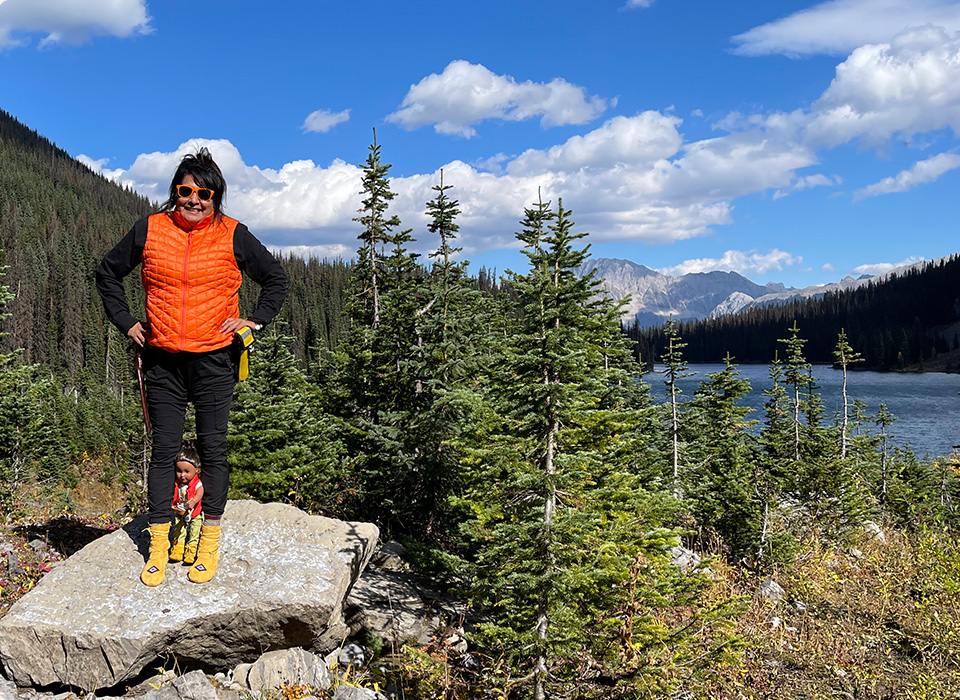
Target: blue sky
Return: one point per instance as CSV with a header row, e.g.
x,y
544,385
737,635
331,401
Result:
x,y
791,141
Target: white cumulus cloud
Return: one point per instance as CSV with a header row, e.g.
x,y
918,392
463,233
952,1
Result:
x,y
99,166
70,21
839,26
630,179
468,93
880,268
922,172
633,4
910,85
744,262
322,120
640,140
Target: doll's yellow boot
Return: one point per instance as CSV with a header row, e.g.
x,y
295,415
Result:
x,y
179,537
193,541
156,566
208,553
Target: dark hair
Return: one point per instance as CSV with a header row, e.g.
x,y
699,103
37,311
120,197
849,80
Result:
x,y
205,172
188,453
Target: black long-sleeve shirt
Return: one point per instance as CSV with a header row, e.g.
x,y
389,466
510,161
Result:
x,y
252,257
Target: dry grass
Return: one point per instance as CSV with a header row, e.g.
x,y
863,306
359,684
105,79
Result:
x,y
882,622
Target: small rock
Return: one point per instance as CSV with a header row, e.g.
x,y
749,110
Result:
x,y
5,547
167,692
683,695
222,678
840,672
240,674
390,557
873,531
13,565
353,655
856,553
800,605
8,690
37,545
455,640
774,622
771,590
286,667
224,693
195,686
683,558
349,692
771,663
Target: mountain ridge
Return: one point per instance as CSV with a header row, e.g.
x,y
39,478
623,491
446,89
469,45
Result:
x,y
656,297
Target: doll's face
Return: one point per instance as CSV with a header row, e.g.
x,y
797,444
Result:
x,y
185,472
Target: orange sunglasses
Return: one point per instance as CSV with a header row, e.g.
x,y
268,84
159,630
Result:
x,y
204,194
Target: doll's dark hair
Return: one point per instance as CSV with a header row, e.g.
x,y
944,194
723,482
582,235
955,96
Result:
x,y
188,453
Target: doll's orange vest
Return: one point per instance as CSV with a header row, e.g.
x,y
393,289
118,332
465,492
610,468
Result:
x,y
192,282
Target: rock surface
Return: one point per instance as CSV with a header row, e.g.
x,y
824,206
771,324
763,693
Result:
x,y
281,583
771,590
283,667
391,605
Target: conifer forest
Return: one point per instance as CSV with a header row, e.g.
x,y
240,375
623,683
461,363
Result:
x,y
500,429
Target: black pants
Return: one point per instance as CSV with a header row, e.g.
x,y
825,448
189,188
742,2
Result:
x,y
173,380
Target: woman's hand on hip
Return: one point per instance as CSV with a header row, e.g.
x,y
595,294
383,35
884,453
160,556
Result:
x,y
136,334
232,325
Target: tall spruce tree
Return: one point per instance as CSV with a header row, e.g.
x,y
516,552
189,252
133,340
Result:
x,y
675,368
843,357
560,520
723,488
795,373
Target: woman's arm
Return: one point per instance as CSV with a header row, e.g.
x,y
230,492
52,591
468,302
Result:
x,y
255,260
115,266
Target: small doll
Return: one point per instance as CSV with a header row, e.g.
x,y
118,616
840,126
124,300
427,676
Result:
x,y
187,494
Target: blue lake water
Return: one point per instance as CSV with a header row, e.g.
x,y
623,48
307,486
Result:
x,y
926,405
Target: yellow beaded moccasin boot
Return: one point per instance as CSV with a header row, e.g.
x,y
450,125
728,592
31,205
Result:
x,y
156,566
208,553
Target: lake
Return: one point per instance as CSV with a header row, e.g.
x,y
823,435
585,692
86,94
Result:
x,y
926,405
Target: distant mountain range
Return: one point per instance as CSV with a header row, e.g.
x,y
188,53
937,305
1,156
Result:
x,y
655,297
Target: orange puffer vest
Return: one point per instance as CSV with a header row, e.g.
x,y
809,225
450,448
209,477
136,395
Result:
x,y
192,282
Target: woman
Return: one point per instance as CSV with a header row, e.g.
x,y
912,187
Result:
x,y
194,259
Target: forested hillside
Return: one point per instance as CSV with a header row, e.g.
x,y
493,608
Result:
x,y
903,321
502,431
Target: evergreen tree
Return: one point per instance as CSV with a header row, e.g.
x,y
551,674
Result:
x,y
675,369
843,357
795,373
884,419
722,487
377,228
282,447
560,519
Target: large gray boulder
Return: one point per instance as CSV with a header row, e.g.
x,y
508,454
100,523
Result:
x,y
282,579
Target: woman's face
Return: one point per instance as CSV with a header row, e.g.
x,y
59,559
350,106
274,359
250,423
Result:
x,y
192,208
